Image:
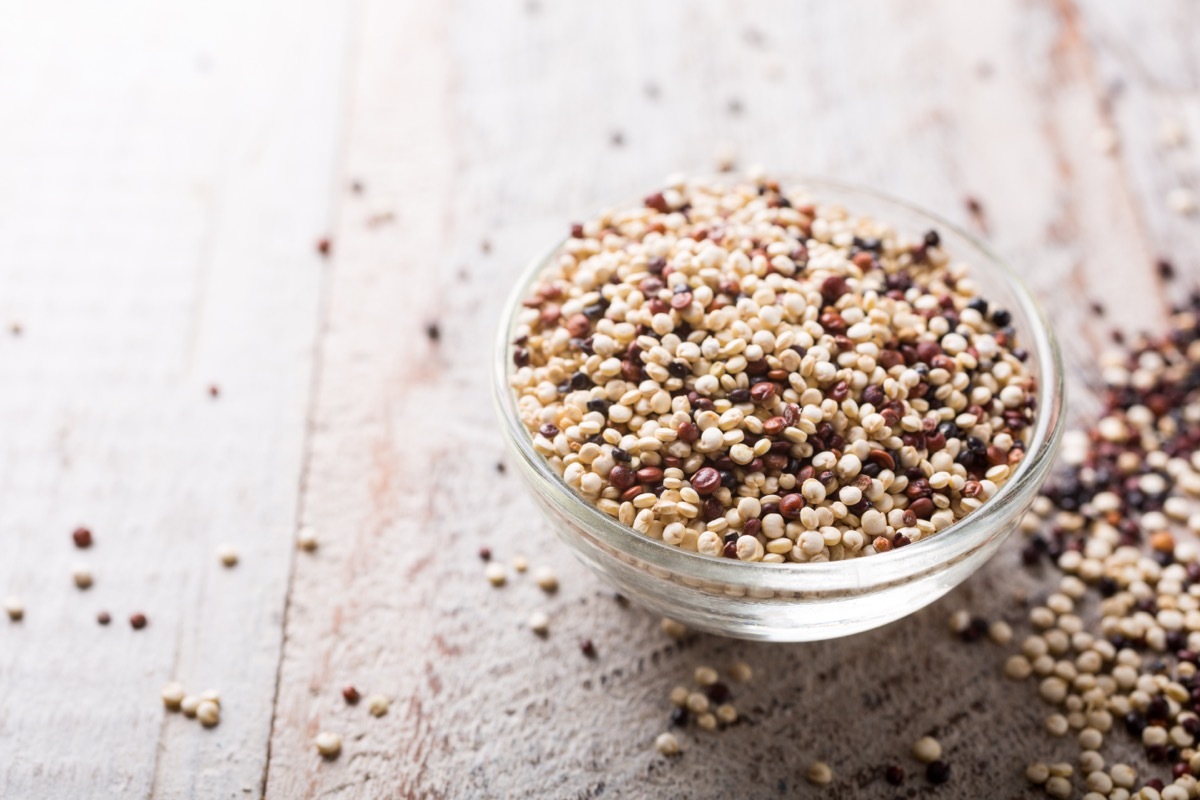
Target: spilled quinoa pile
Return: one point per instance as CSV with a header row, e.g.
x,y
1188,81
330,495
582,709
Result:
x,y
1115,651
737,369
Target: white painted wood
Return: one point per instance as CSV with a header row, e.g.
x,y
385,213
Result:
x,y
166,169
502,137
164,172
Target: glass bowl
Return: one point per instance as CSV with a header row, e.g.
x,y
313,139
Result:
x,y
810,601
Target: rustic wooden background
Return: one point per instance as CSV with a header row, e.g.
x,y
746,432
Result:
x,y
165,171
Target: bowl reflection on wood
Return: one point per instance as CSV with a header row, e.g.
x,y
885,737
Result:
x,y
810,601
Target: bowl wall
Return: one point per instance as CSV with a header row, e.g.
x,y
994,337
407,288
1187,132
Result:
x,y
802,602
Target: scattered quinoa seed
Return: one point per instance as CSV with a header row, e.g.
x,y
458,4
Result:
x,y
588,648
741,672
706,676
228,555
485,553
894,774
937,772
329,745
82,538
667,744
707,721
324,246
520,563
208,713
1182,201
14,608
189,704
138,621
727,714
496,574
350,694
82,576
927,750
377,704
172,696
539,623
546,580
674,629
306,539
819,774
1000,632
103,618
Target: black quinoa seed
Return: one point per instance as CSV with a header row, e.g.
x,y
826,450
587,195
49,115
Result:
x,y
937,772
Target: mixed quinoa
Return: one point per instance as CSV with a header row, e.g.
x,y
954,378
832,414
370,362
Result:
x,y
739,370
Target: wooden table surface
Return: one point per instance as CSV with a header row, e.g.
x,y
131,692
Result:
x,y
165,172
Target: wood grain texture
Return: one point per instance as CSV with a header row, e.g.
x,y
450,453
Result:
x,y
520,117
165,173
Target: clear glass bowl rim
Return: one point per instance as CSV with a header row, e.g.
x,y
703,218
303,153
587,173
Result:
x,y
944,548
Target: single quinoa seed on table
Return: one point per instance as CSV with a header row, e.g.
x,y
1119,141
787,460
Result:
x,y
819,774
739,371
667,744
14,608
329,745
208,713
378,705
82,538
172,696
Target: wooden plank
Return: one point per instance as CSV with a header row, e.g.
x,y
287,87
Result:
x,y
165,174
1146,66
492,123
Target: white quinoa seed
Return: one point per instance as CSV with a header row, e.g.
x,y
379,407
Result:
x,y
520,563
212,696
1000,632
673,628
675,402
1182,201
495,573
927,749
679,696
727,714
82,575
697,702
378,705
208,713
329,745
1017,668
706,676
539,623
227,554
1059,787
189,704
819,774
306,539
172,696
14,608
741,672
667,744
546,580
707,721
1037,773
